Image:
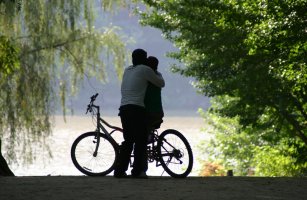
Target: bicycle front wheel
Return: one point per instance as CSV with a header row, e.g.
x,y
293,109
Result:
x,y
175,153
90,162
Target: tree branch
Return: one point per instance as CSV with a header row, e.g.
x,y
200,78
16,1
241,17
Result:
x,y
299,106
54,46
298,129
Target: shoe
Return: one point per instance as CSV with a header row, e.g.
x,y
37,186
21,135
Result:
x,y
141,175
120,175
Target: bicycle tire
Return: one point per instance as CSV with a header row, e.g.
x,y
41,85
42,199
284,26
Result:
x,y
175,153
82,154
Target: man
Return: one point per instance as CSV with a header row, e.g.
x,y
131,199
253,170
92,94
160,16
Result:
x,y
133,115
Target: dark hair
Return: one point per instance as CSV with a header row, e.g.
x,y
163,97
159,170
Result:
x,y
153,62
139,56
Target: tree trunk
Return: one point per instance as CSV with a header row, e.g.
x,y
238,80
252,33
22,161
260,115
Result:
x,y
4,168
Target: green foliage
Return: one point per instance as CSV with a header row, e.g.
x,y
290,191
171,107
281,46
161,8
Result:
x,y
8,57
251,54
48,49
277,161
250,150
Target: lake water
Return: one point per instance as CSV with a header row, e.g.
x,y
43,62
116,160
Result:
x,y
66,132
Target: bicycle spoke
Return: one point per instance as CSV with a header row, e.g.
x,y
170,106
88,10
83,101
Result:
x,y
175,153
90,162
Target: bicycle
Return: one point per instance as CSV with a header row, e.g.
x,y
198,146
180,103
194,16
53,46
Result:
x,y
95,153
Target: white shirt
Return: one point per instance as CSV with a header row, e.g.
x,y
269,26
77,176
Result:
x,y
134,84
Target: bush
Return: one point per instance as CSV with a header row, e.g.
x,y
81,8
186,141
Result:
x,y
212,169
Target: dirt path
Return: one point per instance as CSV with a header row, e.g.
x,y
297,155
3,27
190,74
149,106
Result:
x,y
160,188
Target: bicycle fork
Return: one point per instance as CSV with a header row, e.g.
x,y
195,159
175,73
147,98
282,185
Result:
x,y
97,144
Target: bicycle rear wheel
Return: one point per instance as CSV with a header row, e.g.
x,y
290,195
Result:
x,y
175,153
86,161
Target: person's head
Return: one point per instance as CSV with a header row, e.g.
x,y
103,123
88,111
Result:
x,y
153,62
139,56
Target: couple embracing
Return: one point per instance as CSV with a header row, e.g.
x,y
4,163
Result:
x,y
140,110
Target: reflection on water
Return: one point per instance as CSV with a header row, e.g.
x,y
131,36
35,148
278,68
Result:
x,y
66,132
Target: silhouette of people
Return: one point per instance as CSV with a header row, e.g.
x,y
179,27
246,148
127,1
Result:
x,y
133,115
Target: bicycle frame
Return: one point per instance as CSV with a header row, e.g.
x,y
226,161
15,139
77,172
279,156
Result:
x,y
101,129
151,150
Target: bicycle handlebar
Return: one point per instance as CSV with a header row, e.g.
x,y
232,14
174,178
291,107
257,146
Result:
x,y
93,98
89,106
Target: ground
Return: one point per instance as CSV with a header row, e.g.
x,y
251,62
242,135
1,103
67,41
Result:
x,y
160,188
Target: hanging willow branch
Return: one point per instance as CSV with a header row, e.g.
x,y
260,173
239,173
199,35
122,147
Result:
x,y
50,47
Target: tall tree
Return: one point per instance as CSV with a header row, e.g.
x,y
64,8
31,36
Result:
x,y
48,49
250,54
252,50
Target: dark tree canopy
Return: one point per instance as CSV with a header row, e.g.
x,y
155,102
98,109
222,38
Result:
x,y
250,57
252,51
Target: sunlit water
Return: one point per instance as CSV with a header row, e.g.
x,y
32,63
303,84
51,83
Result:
x,y
64,133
